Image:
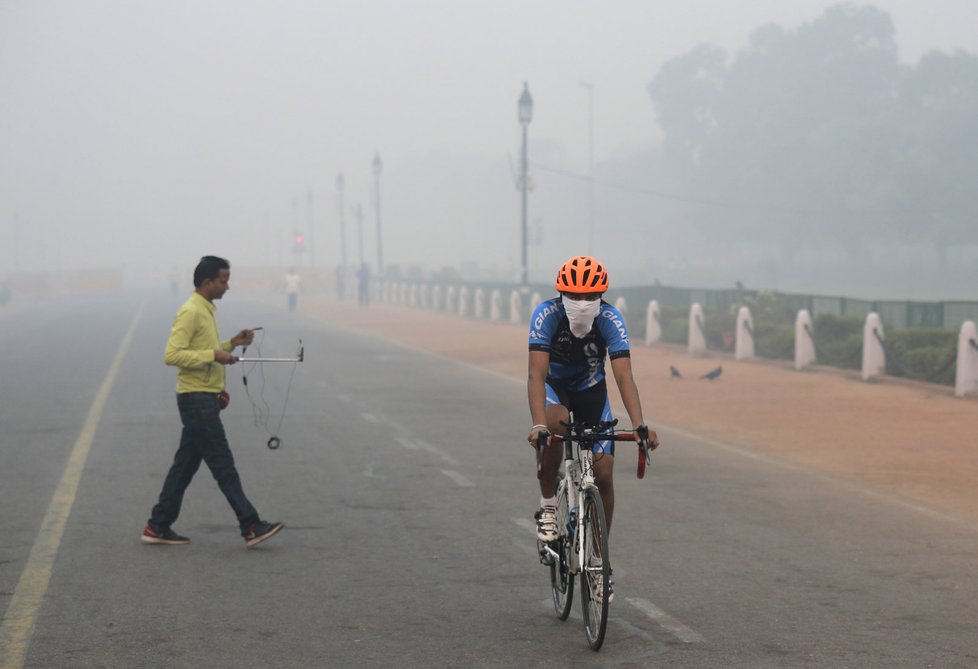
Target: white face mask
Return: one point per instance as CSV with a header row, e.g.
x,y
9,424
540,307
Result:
x,y
581,314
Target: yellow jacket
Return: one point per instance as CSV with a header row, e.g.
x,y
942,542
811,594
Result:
x,y
191,347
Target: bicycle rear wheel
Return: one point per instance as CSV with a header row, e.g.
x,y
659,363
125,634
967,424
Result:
x,y
596,570
561,579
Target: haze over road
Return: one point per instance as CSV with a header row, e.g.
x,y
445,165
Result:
x,y
407,490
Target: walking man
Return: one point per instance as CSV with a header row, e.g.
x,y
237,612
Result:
x,y
293,282
196,350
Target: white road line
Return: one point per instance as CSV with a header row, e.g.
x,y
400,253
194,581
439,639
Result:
x,y
665,621
425,446
17,624
406,443
458,478
369,473
526,524
370,418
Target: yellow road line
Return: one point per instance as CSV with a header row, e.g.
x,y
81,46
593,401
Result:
x,y
18,622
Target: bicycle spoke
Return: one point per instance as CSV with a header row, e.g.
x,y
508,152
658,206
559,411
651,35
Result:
x,y
561,579
596,571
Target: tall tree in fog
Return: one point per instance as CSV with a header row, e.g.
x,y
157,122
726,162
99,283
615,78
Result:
x,y
821,134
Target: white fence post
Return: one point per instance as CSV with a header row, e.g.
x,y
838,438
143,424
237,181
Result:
x,y
478,304
450,293
966,373
424,296
515,304
653,323
621,305
463,302
804,340
436,298
874,355
697,337
495,306
744,343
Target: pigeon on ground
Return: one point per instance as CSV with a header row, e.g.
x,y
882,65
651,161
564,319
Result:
x,y
675,372
712,374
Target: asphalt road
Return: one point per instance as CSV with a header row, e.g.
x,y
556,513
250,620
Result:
x,y
407,490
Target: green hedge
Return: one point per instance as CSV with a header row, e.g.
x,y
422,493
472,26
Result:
x,y
913,353
920,354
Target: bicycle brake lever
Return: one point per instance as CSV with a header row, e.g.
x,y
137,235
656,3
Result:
x,y
542,439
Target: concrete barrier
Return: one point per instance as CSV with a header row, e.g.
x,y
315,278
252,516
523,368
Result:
x,y
479,304
744,343
874,355
515,307
966,374
495,306
804,340
653,323
697,327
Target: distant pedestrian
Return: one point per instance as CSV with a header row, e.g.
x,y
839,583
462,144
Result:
x,y
363,285
293,283
196,350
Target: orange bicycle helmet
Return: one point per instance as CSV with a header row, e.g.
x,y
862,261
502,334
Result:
x,y
582,274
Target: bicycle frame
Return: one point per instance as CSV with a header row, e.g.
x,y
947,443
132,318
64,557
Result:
x,y
581,545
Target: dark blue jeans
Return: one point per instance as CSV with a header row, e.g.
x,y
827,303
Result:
x,y
203,438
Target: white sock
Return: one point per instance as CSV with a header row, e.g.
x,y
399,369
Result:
x,y
548,501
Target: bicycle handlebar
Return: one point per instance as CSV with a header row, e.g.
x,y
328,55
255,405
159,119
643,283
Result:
x,y
584,434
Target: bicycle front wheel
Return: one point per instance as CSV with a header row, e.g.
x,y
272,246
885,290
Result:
x,y
561,579
596,570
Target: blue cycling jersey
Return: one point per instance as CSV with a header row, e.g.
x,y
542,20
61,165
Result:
x,y
577,363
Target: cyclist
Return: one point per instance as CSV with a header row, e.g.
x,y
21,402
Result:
x,y
570,335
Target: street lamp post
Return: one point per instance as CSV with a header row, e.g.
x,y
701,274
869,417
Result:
x,y
360,232
525,115
310,224
339,192
590,166
380,238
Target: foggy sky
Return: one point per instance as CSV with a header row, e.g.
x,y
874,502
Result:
x,y
146,134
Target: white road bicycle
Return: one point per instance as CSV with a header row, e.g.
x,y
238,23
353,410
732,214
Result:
x,y
581,546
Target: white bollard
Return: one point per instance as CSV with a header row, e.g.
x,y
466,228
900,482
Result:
x,y
966,372
413,295
450,298
478,304
535,300
653,323
621,305
424,296
697,338
496,306
463,301
401,296
874,355
515,305
804,344
436,298
744,343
